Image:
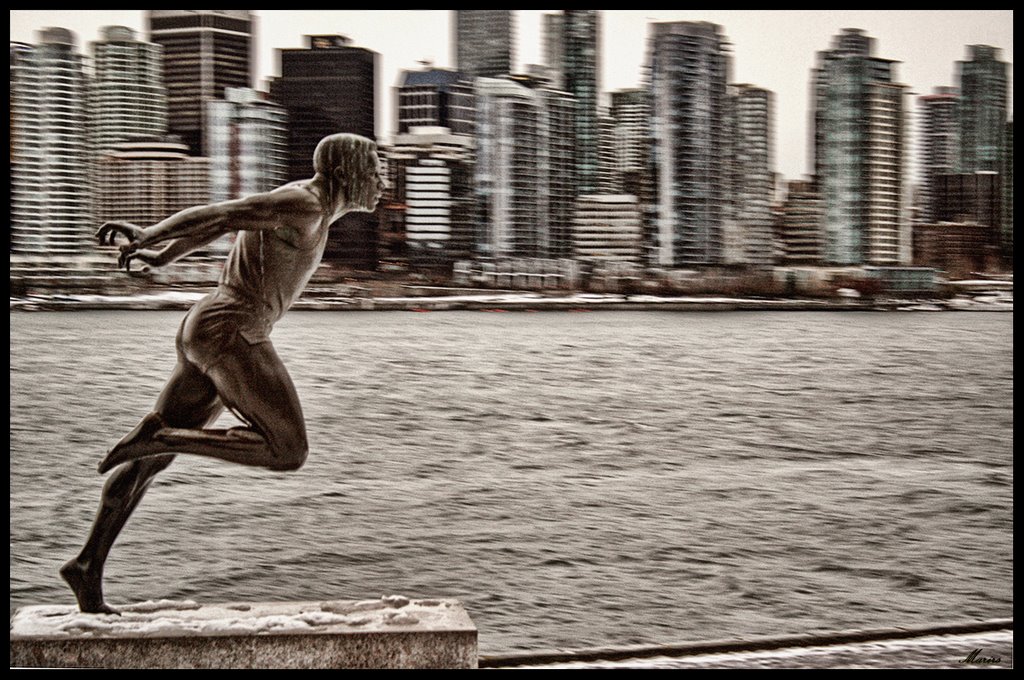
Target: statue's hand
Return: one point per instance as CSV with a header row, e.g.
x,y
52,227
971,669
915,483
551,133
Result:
x,y
150,258
107,233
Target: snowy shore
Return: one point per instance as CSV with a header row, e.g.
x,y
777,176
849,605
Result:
x,y
532,302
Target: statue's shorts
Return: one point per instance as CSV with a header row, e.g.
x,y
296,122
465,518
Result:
x,y
222,325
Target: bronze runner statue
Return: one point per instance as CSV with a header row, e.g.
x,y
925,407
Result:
x,y
225,357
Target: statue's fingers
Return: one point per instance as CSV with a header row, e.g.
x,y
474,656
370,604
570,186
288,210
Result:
x,y
109,231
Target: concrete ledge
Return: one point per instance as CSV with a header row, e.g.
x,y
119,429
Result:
x,y
392,632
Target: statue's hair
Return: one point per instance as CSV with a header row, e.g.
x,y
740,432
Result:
x,y
347,163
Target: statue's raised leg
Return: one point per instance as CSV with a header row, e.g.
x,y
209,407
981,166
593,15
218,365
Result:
x,y
254,384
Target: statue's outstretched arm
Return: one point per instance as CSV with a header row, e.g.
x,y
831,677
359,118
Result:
x,y
197,226
206,221
172,252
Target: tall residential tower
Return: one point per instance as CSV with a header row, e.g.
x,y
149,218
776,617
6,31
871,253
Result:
x,y
983,85
50,198
248,144
630,139
524,170
688,68
127,98
581,35
859,142
750,159
940,144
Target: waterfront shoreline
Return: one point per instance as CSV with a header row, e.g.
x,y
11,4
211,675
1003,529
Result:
x,y
180,301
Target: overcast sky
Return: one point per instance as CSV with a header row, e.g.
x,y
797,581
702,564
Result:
x,y
774,49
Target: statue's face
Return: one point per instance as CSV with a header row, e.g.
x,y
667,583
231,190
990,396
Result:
x,y
372,189
363,192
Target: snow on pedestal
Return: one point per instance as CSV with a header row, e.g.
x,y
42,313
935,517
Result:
x,y
392,632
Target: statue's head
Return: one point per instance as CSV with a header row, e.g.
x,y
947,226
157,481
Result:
x,y
351,170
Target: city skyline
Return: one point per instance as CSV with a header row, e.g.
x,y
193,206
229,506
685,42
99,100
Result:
x,y
791,38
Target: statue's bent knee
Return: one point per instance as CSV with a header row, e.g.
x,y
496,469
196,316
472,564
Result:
x,y
289,459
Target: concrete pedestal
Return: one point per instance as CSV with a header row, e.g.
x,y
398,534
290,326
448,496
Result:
x,y
392,632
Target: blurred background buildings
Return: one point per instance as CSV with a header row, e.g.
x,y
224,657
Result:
x,y
487,164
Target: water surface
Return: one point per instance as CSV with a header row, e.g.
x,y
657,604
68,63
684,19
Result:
x,y
576,479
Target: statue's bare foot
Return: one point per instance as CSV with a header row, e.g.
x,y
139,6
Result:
x,y
87,589
136,444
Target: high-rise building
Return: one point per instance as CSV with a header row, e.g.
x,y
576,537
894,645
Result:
x,y
748,228
205,52
859,143
524,170
688,68
432,173
248,144
559,174
50,201
127,98
940,144
607,165
434,97
553,48
581,32
631,138
484,42
983,81
800,226
607,228
506,170
327,88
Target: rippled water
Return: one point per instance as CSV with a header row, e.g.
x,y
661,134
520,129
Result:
x,y
576,479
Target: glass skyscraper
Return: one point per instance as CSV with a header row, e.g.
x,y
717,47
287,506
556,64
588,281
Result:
x,y
859,116
581,36
1006,237
553,47
750,176
688,68
524,170
983,109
